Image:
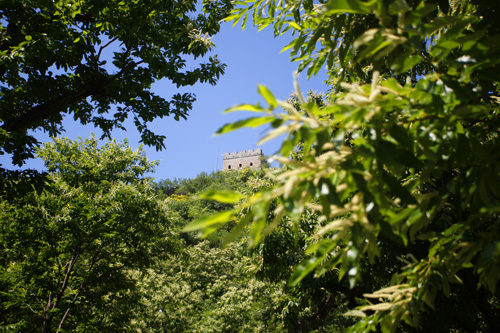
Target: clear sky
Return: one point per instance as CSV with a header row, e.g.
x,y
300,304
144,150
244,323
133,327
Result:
x,y
252,58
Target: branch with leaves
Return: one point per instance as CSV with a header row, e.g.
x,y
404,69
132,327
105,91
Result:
x,y
402,162
50,65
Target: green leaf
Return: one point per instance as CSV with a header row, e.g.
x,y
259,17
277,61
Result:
x,y
237,230
403,64
268,96
350,6
444,5
224,196
401,135
355,313
321,249
398,189
245,107
244,23
210,222
295,25
249,122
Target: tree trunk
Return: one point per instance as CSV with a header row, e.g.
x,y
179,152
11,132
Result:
x,y
47,321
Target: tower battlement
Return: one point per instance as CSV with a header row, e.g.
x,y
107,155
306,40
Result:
x,y
243,153
250,158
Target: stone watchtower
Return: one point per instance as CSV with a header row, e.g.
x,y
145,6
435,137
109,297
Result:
x,y
244,159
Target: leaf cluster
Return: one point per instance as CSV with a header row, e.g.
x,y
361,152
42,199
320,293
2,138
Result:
x,y
400,167
95,61
204,289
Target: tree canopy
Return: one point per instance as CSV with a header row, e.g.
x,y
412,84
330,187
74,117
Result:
x,y
67,249
398,173
206,289
95,61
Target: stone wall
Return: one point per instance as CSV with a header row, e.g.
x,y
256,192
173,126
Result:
x,y
251,158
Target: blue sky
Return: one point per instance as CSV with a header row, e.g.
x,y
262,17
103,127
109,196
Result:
x,y
252,58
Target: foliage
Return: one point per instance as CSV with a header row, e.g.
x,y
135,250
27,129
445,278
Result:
x,y
184,196
401,167
315,303
95,61
205,290
66,250
203,182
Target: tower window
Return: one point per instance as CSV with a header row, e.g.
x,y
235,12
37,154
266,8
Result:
x,y
240,165
251,163
229,167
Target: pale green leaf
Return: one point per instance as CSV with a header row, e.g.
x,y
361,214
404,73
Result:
x,y
224,196
249,122
245,107
268,96
355,313
279,131
295,25
349,6
211,221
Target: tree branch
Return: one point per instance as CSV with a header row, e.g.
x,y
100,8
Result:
x,y
106,45
28,117
72,263
95,259
66,313
32,310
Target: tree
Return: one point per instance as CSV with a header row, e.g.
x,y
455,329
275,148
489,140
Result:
x,y
182,196
67,250
206,289
402,164
95,61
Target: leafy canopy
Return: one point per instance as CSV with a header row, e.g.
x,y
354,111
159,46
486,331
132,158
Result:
x,y
402,162
206,289
95,61
67,249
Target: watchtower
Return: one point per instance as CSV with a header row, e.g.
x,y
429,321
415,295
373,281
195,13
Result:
x,y
244,159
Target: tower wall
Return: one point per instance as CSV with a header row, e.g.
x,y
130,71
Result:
x,y
251,158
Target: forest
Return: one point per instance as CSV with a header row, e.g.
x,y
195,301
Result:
x,y
382,216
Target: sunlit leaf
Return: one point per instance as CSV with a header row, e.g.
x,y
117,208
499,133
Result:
x,y
222,196
249,122
350,6
245,107
268,96
210,222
